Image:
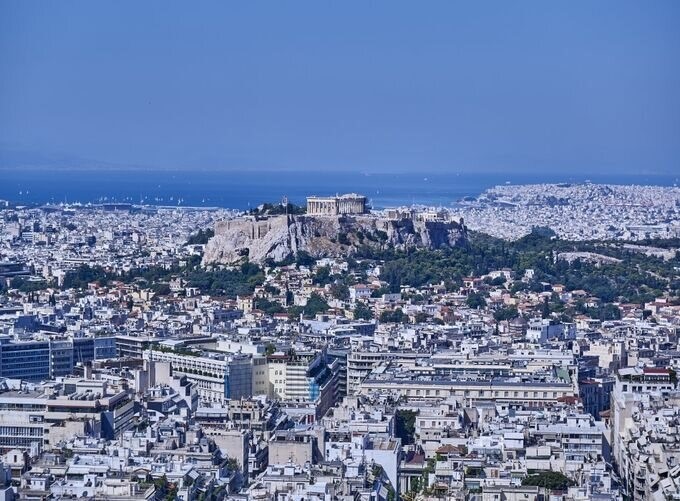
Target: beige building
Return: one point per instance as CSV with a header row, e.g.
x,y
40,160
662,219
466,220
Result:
x,y
350,203
535,394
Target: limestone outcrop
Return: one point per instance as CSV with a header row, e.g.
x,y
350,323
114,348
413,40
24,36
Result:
x,y
280,237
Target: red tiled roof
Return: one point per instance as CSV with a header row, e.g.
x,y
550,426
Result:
x,y
569,399
655,370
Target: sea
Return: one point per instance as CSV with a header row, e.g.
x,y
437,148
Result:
x,y
247,189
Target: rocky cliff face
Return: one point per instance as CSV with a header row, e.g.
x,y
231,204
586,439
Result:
x,y
279,237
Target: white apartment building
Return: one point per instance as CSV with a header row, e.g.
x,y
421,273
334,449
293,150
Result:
x,y
218,378
303,377
466,392
646,448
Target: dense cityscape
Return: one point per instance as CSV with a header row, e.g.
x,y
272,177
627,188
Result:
x,y
578,211
339,251
521,345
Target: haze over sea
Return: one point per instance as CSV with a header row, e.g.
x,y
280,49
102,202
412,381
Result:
x,y
241,190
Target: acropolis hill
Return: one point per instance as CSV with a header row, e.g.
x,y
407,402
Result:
x,y
328,232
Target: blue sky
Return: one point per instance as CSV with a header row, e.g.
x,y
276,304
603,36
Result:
x,y
377,86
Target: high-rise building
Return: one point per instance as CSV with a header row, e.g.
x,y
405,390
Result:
x,y
304,377
238,377
218,378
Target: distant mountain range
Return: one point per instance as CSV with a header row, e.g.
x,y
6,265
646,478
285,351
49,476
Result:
x,y
14,158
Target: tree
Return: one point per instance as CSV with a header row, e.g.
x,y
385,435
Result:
x,y
362,312
165,488
395,316
340,291
294,312
381,235
233,464
545,308
421,317
405,425
415,485
303,258
505,314
28,286
322,276
315,304
269,307
201,238
499,280
475,300
161,289
551,480
277,209
83,275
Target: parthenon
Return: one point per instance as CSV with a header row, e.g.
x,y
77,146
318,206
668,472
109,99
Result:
x,y
350,203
